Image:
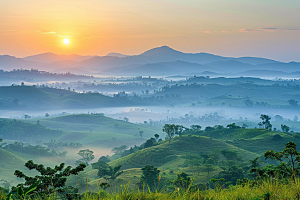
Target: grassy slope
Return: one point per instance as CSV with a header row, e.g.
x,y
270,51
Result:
x,y
45,98
169,161
98,130
9,162
249,143
254,140
160,155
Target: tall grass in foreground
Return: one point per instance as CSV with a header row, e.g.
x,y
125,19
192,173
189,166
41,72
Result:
x,y
266,190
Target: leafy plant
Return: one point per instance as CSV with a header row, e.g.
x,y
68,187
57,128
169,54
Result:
x,y
50,178
22,192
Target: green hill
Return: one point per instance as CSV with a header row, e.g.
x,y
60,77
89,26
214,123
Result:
x,y
23,130
87,129
255,140
171,160
9,162
33,98
98,130
161,155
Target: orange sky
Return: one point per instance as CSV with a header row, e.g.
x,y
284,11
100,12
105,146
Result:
x,y
268,28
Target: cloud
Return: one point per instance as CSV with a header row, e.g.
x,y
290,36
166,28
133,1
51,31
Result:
x,y
136,36
223,31
270,28
207,32
292,29
246,30
50,32
65,36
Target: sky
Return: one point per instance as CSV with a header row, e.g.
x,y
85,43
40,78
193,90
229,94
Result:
x,y
261,28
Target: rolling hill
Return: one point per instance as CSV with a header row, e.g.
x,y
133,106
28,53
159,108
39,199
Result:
x,y
98,130
162,156
88,129
9,162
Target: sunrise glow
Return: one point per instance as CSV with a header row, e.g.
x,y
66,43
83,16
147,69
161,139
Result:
x,y
66,41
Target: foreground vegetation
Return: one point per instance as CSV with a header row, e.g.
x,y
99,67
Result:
x,y
270,189
212,163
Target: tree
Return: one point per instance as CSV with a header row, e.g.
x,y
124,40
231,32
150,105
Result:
x,y
209,128
231,174
278,118
104,159
156,136
196,127
149,143
16,102
119,150
248,103
47,115
266,121
289,159
285,128
180,130
149,176
209,165
87,156
233,126
293,103
101,166
106,171
51,178
141,133
126,119
183,180
171,130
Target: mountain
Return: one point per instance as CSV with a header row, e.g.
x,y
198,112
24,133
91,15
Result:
x,y
116,55
286,67
101,63
10,62
264,73
51,57
167,54
156,61
160,68
255,61
230,66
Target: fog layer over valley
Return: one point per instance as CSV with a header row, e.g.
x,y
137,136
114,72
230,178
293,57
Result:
x,y
131,111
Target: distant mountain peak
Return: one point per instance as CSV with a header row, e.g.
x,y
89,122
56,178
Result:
x,y
165,50
114,54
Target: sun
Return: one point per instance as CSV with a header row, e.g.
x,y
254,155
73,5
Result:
x,y
66,41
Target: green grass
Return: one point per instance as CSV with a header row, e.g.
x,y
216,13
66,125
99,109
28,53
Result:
x,y
161,154
88,129
267,189
98,130
9,162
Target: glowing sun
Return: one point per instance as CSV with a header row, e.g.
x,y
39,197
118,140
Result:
x,y
66,41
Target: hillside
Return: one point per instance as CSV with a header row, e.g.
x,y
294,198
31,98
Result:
x,y
9,162
98,130
255,140
274,95
22,130
31,97
161,156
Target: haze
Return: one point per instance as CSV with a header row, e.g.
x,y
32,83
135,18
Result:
x,y
228,28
